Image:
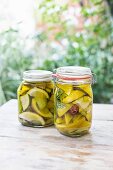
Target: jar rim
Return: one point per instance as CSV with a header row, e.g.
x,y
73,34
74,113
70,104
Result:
x,y
73,71
37,75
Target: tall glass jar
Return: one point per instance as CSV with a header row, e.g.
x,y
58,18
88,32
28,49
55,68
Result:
x,y
35,99
73,100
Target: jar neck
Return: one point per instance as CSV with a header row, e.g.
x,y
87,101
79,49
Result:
x,y
73,80
36,81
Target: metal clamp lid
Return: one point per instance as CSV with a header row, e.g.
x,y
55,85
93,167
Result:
x,y
74,73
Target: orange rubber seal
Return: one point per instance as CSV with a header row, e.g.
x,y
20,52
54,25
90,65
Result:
x,y
71,78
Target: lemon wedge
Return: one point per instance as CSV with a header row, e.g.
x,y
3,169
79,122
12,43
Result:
x,y
44,112
68,118
87,88
25,101
63,110
83,102
37,92
67,88
74,95
32,117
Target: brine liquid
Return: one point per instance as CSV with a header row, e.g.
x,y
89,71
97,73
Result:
x,y
35,104
73,108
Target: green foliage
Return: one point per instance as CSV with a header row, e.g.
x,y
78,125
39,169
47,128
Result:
x,y
13,61
91,45
69,33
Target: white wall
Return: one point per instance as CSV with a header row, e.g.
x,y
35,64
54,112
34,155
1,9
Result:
x,y
17,11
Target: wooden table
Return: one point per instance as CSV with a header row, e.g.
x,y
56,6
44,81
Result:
x,y
25,148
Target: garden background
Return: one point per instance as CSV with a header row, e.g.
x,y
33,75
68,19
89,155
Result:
x,y
46,34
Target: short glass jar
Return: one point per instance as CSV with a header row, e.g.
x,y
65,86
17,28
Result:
x,y
35,99
73,100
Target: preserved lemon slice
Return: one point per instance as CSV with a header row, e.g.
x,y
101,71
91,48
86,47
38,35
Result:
x,y
74,95
87,88
63,110
52,110
67,88
37,92
77,121
48,90
50,104
32,117
87,112
42,103
41,85
85,124
25,100
83,102
68,118
50,85
40,96
89,116
49,121
44,112
60,120
22,89
52,97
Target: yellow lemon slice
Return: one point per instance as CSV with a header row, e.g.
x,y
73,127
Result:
x,y
89,116
87,88
52,97
50,85
37,92
59,120
25,101
50,104
68,118
74,95
23,89
83,102
32,117
77,121
63,110
44,112
67,88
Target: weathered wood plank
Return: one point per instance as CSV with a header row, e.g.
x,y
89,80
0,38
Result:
x,y
103,112
32,148
45,148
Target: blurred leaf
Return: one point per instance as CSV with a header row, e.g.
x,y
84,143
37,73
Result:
x,y
91,46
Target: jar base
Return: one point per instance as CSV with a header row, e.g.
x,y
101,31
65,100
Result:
x,y
36,126
75,134
28,124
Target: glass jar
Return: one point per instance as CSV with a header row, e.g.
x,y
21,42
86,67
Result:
x,y
35,99
73,100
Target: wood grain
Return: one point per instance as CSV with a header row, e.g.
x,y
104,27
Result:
x,y
28,148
